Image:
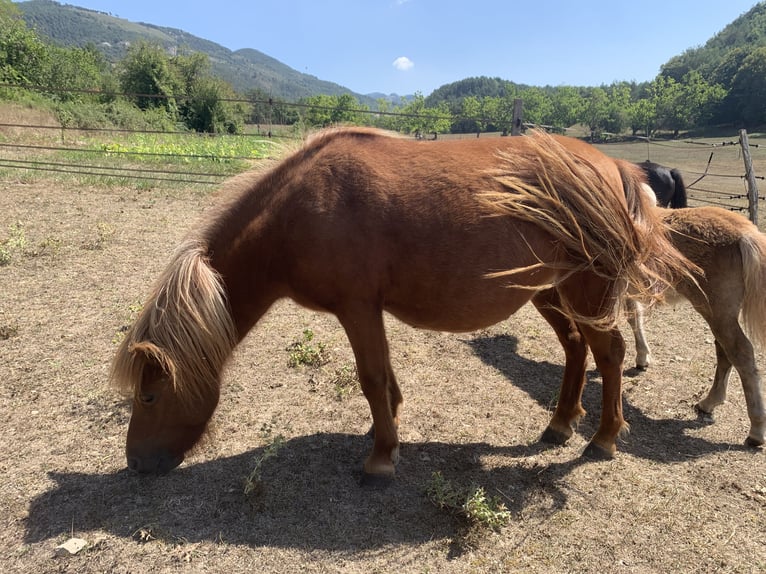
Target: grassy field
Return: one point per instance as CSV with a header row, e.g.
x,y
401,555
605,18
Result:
x,y
275,488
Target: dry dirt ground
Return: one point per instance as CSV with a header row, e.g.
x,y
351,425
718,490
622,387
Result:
x,y
682,495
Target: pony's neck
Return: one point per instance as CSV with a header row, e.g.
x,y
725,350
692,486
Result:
x,y
241,250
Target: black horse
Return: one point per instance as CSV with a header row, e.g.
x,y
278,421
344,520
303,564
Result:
x,y
667,183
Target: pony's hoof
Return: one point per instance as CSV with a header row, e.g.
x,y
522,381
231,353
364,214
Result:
x,y
704,416
596,452
754,442
376,481
553,436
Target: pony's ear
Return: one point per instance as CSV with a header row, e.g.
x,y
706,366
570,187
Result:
x,y
151,354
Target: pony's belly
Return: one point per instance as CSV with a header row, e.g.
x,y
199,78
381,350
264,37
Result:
x,y
460,314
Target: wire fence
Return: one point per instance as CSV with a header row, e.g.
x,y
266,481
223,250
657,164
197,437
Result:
x,y
39,147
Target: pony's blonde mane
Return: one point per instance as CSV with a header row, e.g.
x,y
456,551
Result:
x,y
185,328
623,241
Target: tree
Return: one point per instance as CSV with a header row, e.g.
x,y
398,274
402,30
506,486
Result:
x,y
74,72
642,116
538,107
148,77
474,114
748,88
417,118
23,55
567,105
617,107
596,111
699,99
206,108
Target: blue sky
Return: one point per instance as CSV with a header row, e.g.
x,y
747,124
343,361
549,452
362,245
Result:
x,y
407,46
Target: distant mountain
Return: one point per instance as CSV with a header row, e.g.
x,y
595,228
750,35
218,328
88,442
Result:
x,y
741,36
245,70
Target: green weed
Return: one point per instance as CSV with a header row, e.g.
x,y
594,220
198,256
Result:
x,y
254,481
473,505
134,309
15,243
104,232
307,353
345,381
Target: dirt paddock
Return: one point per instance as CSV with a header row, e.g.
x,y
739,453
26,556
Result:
x,y
683,494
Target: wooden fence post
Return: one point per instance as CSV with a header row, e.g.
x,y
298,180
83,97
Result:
x,y
518,107
752,186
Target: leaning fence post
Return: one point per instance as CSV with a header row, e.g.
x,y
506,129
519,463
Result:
x,y
752,186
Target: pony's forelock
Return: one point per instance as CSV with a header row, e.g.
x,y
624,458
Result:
x,y
185,329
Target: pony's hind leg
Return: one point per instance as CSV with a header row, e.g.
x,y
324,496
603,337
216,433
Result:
x,y
717,393
635,314
734,348
569,408
366,334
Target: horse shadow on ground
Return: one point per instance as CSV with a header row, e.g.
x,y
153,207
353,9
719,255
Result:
x,y
661,440
308,496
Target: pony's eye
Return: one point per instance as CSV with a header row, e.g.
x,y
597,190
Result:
x,y
147,398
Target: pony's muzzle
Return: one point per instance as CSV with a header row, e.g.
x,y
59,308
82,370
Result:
x,y
158,464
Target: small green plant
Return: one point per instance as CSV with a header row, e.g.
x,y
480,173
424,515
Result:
x,y
16,242
305,352
134,309
473,505
345,381
104,232
50,246
254,481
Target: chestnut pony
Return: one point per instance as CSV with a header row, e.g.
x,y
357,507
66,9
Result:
x,y
445,235
731,253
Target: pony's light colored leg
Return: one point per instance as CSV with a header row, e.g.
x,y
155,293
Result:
x,y
608,349
366,333
734,348
717,393
569,408
635,313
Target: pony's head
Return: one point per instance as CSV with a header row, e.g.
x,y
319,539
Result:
x,y
171,359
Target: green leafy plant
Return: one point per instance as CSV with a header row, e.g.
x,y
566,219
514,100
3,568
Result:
x,y
471,504
345,381
104,232
254,481
16,242
306,352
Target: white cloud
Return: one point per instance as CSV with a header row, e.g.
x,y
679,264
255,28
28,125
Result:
x,y
403,63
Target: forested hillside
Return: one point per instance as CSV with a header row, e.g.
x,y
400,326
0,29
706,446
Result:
x,y
245,70
207,87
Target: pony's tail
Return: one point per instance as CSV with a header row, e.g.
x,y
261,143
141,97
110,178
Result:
x,y
662,264
679,193
752,246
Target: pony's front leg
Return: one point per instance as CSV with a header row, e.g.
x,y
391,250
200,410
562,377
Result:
x,y
569,406
635,314
608,349
366,333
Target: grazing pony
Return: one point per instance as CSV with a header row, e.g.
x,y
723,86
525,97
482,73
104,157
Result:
x,y
731,253
667,184
445,235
